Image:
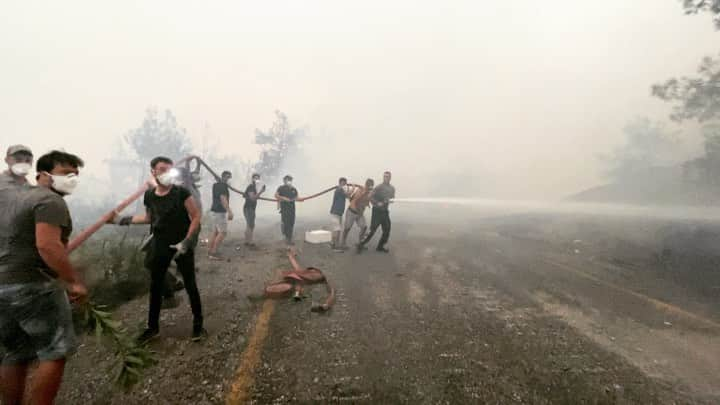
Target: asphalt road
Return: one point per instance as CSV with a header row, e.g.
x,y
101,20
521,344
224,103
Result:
x,y
512,309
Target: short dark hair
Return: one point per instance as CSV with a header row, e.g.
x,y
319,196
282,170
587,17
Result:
x,y
48,161
226,173
256,175
370,181
160,159
342,179
287,177
387,172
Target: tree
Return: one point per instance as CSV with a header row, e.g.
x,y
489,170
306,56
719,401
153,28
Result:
x,y
158,136
706,168
279,143
647,146
696,97
698,6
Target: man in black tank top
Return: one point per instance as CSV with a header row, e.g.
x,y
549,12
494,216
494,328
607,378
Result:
x,y
174,220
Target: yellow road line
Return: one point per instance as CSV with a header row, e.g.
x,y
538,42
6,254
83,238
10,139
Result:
x,y
245,374
661,305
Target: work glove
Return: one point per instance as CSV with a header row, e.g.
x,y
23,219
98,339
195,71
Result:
x,y
182,247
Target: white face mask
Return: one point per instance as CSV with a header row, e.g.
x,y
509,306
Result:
x,y
64,184
165,179
20,169
288,183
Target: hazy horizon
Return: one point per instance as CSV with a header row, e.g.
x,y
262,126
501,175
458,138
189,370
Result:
x,y
521,95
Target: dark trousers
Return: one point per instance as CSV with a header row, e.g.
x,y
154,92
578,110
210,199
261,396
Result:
x,y
380,218
157,261
287,225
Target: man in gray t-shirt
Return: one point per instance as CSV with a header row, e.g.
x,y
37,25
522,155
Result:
x,y
381,198
19,159
36,278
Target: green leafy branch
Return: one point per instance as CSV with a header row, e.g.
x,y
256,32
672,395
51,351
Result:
x,y
131,358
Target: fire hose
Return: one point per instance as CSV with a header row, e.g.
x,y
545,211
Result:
x,y
292,282
187,161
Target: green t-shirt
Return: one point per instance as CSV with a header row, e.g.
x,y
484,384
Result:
x,y
21,208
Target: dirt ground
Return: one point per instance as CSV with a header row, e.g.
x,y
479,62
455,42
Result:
x,y
526,309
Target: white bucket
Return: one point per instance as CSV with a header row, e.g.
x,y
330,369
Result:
x,y
318,236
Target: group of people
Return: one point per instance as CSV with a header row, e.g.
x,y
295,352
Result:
x,y
359,196
38,281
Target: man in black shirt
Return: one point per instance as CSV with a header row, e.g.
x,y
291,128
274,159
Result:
x,y
286,196
174,220
221,214
252,192
381,198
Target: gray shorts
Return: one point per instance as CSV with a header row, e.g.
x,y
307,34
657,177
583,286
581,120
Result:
x,y
35,323
220,221
249,217
353,218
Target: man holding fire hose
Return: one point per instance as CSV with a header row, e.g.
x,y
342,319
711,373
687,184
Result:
x,y
174,220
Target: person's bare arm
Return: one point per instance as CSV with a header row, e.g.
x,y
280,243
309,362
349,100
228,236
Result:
x,y
51,249
293,260
226,204
195,217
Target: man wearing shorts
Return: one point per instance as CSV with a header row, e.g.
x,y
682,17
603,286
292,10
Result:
x,y
336,212
221,214
36,278
355,214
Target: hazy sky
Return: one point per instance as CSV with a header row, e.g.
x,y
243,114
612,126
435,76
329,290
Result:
x,y
526,91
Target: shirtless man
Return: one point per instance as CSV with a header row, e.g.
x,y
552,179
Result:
x,y
355,214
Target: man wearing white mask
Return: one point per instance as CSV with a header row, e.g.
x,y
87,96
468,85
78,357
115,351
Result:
x,y
252,193
174,220
36,278
221,214
19,159
287,195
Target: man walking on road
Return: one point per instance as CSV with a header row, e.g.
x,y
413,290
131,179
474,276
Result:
x,y
287,195
36,277
380,199
336,213
252,193
355,214
221,214
174,219
19,159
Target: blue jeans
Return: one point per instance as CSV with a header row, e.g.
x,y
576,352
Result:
x,y
35,323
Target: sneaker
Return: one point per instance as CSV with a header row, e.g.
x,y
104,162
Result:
x,y
382,249
179,285
199,333
338,250
215,257
147,335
